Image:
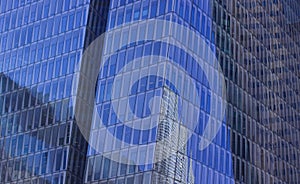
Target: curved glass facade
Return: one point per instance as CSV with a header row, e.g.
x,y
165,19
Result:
x,y
155,114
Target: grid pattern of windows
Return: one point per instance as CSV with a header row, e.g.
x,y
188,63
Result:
x,y
40,44
256,42
212,165
258,48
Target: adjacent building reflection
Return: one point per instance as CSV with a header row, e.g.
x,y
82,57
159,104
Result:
x,y
36,143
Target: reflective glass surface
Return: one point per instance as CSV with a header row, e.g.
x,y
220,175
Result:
x,y
41,42
152,99
189,165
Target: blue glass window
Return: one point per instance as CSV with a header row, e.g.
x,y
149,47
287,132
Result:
x,y
112,19
56,25
153,9
203,24
120,17
136,136
78,19
71,21
145,9
136,11
64,20
187,12
128,14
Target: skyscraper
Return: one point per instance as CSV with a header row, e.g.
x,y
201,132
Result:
x,y
258,50
149,91
41,42
158,147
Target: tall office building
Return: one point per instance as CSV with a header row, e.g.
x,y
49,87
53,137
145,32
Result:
x,y
258,48
137,67
41,42
151,113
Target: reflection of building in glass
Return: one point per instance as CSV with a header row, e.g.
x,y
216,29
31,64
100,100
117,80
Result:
x,y
170,132
258,47
189,165
255,41
26,135
40,44
177,167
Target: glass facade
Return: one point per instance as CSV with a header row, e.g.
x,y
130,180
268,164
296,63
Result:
x,y
41,42
189,165
43,45
258,48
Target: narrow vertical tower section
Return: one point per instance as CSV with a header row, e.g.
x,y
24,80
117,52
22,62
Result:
x,y
171,134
